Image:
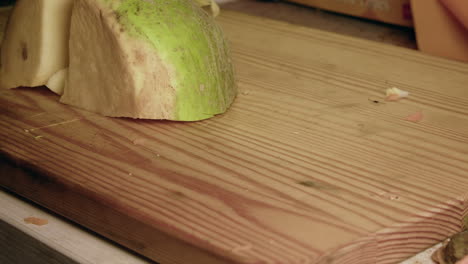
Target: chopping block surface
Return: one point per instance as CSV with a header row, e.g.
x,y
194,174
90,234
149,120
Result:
x,y
310,165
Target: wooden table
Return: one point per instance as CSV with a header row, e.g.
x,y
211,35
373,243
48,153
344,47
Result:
x,y
327,21
309,150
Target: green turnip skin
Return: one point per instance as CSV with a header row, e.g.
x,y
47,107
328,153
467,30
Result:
x,y
155,59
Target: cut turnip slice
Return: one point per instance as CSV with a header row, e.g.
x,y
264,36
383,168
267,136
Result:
x,y
163,59
56,83
35,45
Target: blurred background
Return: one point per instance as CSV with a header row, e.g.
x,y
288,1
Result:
x,y
436,27
427,25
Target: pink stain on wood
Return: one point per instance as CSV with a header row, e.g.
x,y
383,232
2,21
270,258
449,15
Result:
x,y
416,117
393,97
36,221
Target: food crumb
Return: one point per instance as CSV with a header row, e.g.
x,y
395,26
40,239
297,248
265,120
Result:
x,y
415,117
395,94
36,221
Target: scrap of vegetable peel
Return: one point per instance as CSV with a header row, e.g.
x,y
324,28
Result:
x,y
415,117
211,4
395,94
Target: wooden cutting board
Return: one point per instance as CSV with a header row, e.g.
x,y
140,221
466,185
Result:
x,y
310,165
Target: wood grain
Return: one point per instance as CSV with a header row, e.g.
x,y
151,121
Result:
x,y
56,242
31,251
310,165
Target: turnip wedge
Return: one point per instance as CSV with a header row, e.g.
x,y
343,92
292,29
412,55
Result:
x,y
35,44
152,59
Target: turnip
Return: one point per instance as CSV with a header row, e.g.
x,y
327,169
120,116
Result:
x,y
152,59
35,44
